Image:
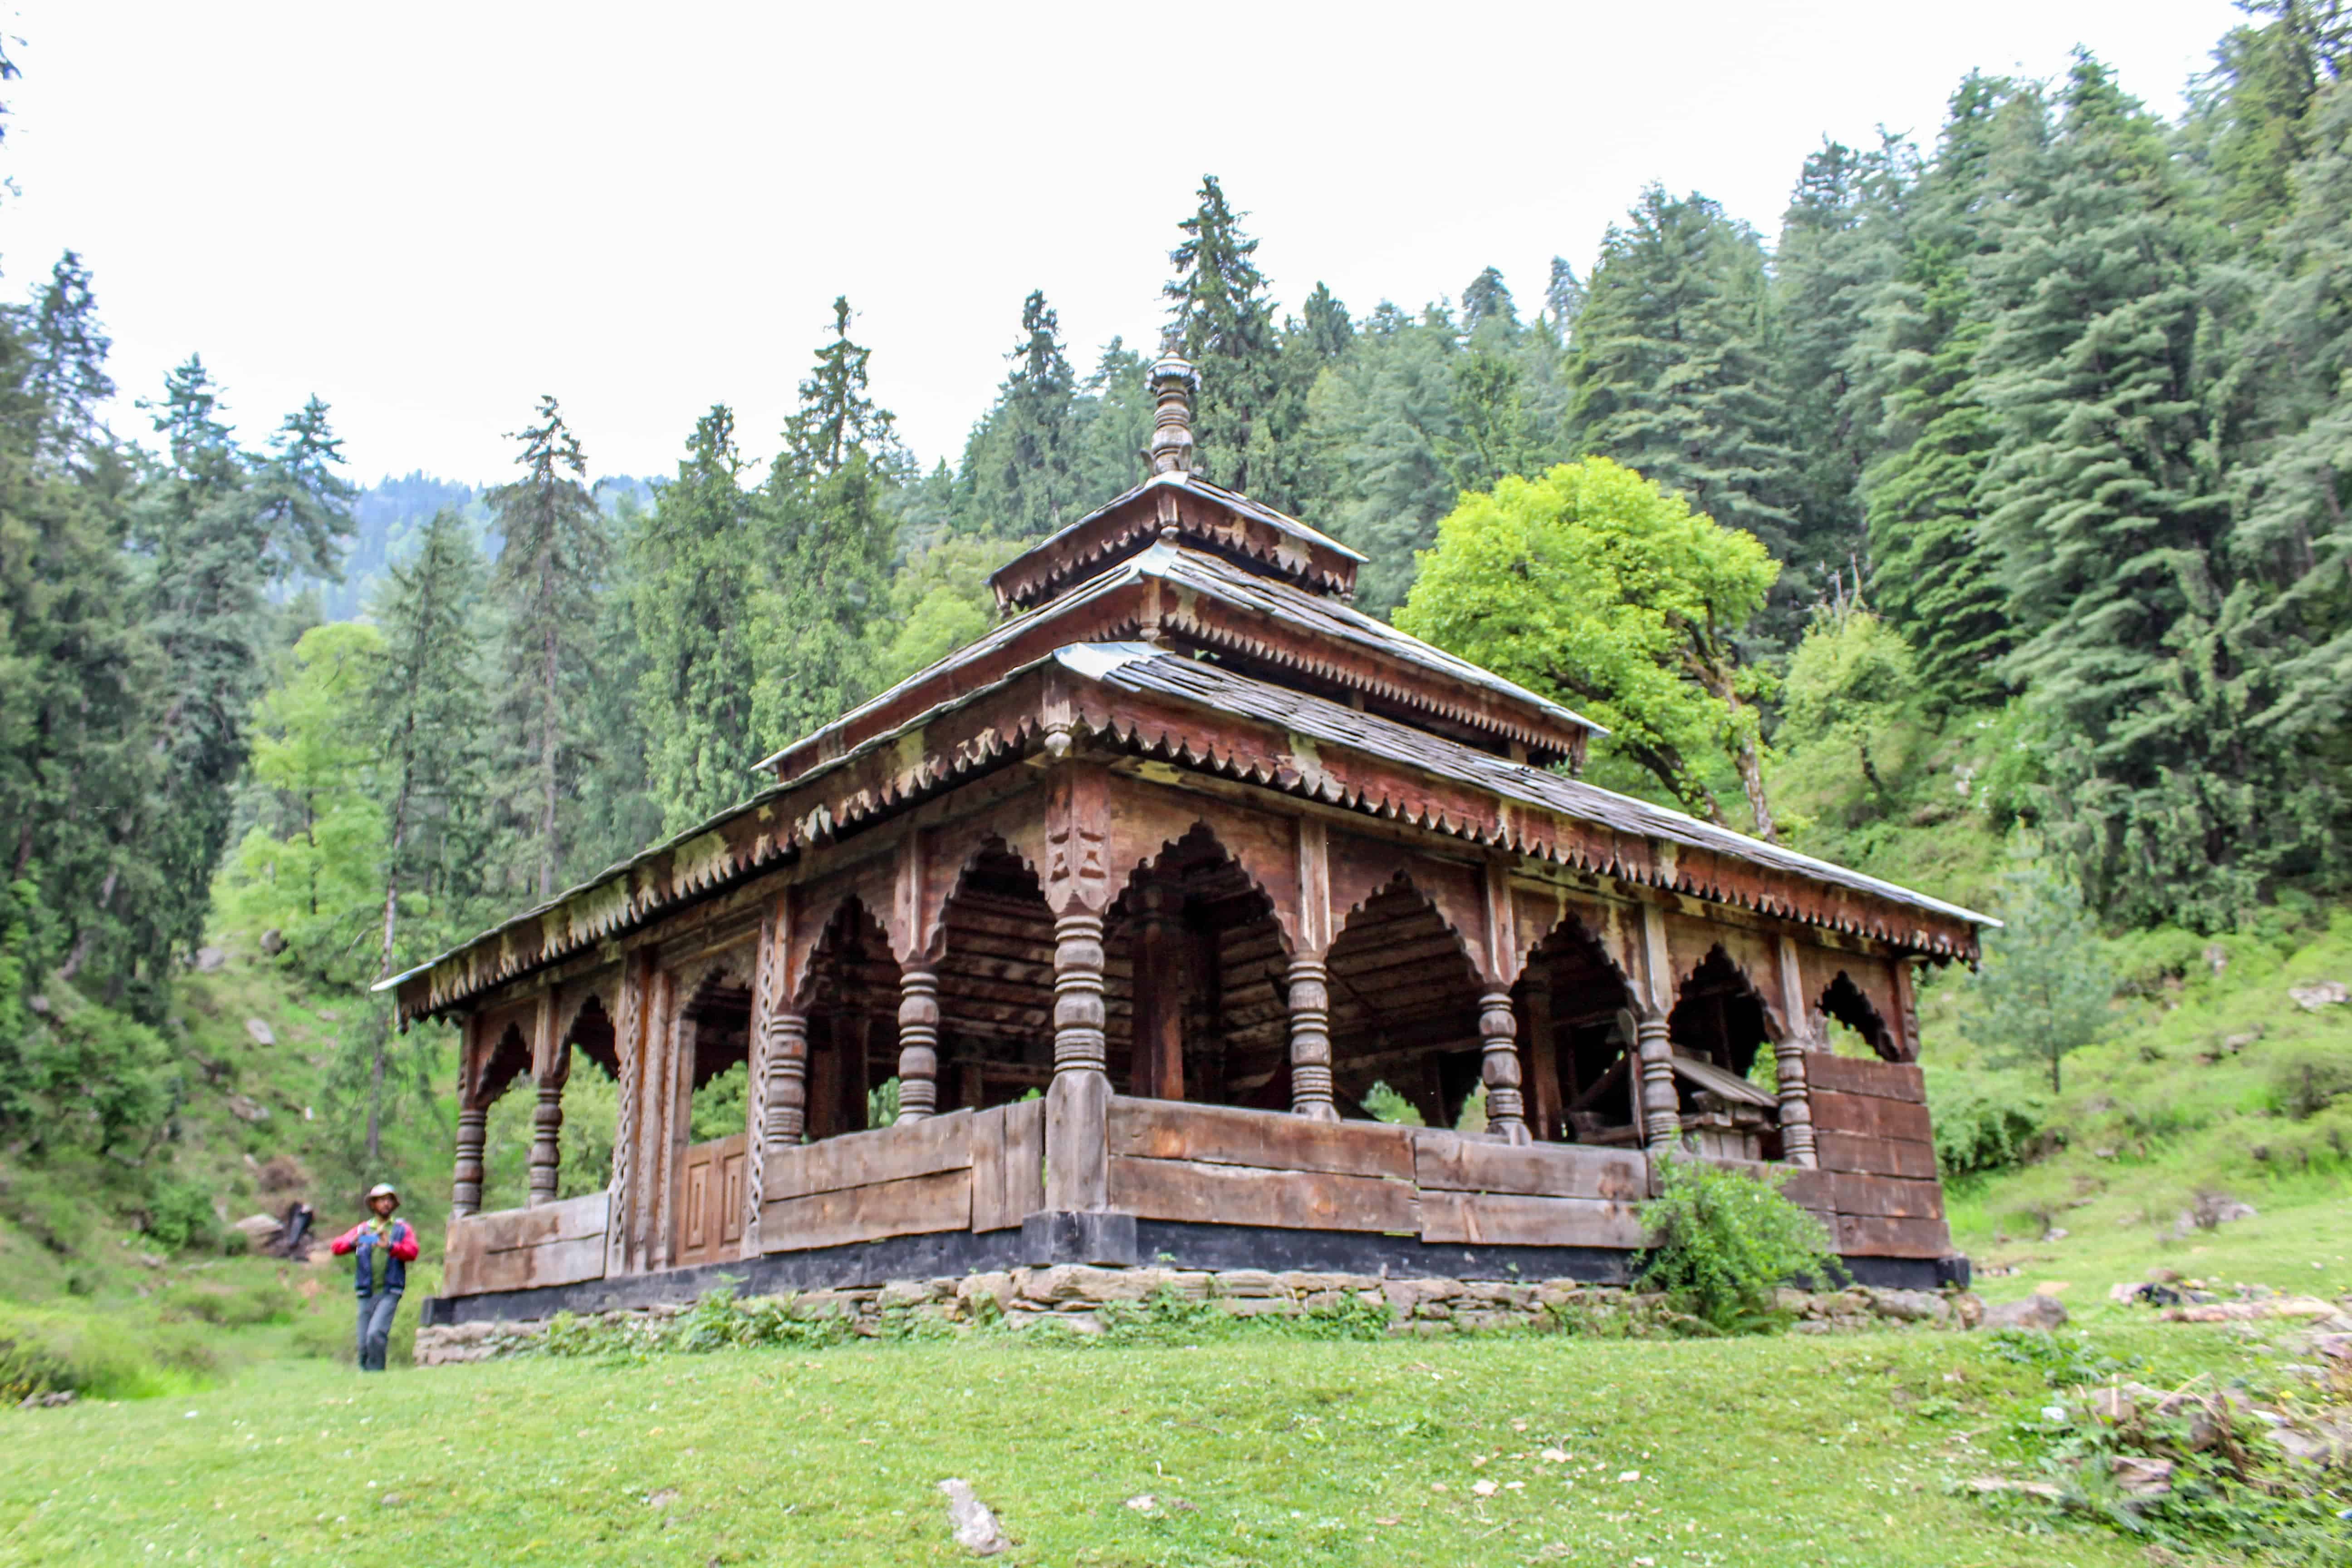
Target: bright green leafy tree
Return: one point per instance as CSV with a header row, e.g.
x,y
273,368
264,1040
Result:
x,y
1594,585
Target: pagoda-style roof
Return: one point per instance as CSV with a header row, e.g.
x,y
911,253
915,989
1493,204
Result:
x,y
1192,600
1186,626
1208,516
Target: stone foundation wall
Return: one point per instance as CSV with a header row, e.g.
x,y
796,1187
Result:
x,y
1076,1298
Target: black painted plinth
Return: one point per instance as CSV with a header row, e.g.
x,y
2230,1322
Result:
x,y
1069,1235
1115,1240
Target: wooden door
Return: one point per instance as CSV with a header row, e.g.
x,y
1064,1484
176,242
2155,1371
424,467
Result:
x,y
711,1202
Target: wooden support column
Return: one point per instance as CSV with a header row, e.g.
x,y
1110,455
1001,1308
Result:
x,y
1799,1036
473,1123
549,1062
629,1050
1498,1027
771,989
1078,889
1078,1105
1311,978
1543,1100
674,1125
1158,996
918,1043
1662,1123
1498,1067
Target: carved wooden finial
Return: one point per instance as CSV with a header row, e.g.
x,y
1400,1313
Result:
x,y
1173,381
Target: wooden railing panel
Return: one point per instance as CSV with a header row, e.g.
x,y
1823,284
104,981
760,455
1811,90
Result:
x,y
1453,1163
1875,1156
1872,1236
909,1206
861,1159
1271,1140
1869,1115
518,1250
1514,1219
1008,1164
1862,1075
1245,1194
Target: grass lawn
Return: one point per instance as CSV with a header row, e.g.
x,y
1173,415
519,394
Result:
x,y
1253,1450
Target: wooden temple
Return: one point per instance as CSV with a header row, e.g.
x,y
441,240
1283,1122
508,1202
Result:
x,y
1144,899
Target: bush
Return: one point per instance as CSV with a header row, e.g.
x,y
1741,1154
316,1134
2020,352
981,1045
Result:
x,y
1727,1243
96,1354
179,1214
1984,1121
2307,1081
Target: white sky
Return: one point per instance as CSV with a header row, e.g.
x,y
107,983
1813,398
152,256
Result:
x,y
429,214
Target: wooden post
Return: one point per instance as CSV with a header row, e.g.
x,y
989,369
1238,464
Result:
x,y
629,1049
673,1125
918,1041
1662,1123
473,1122
1311,978
1543,1098
1310,1039
771,987
1078,1105
1159,1010
1498,1067
549,1059
786,1113
1798,1037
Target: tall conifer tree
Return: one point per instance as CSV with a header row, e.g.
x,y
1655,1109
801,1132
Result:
x,y
1221,319
1670,374
2107,503
699,563
551,557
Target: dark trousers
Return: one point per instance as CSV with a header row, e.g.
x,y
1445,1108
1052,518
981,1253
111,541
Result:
x,y
375,1327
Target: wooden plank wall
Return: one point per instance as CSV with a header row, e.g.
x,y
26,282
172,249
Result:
x,y
1877,1152
964,1171
518,1250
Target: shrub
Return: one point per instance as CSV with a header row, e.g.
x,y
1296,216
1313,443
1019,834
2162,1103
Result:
x,y
1726,1242
94,1353
2305,1082
179,1214
1984,1121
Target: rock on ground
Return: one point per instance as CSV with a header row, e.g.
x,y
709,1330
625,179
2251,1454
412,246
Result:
x,y
2035,1311
976,1529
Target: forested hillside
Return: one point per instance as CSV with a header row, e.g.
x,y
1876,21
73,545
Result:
x,y
1979,520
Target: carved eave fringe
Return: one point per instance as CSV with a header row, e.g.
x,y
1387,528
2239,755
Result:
x,y
775,826
1352,676
1571,842
1198,512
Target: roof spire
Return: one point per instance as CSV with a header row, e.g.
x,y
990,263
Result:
x,y
1173,381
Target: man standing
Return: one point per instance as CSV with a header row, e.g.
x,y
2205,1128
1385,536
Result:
x,y
387,1247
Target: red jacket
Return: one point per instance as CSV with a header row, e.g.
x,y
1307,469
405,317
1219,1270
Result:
x,y
399,1242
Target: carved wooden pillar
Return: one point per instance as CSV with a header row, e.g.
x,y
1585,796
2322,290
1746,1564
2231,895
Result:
x,y
1310,1039
1159,1011
918,1043
550,1061
1078,1105
473,1123
784,1112
1498,1067
770,988
629,1049
1311,978
1799,1036
1662,1121
1543,1058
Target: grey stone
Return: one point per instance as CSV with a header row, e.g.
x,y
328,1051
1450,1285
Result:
x,y
2035,1311
263,1035
1250,1282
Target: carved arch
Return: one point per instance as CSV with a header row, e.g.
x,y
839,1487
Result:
x,y
1406,989
1845,1001
1720,1013
505,1063
592,1033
